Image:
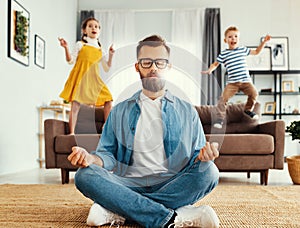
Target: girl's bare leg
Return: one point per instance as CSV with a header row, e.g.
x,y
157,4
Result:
x,y
107,108
75,106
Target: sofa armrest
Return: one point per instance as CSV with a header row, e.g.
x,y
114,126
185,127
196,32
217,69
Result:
x,y
276,128
52,128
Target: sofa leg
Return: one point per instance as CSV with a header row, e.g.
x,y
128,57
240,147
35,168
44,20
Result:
x,y
64,176
248,174
264,177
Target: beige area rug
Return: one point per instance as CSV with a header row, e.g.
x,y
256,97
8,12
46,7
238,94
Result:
x,y
63,206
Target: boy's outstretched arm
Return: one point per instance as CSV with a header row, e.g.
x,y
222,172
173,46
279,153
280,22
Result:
x,y
211,68
261,46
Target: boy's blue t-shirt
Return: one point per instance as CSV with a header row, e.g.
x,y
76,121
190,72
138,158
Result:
x,y
235,63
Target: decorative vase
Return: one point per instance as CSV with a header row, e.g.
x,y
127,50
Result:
x,y
294,168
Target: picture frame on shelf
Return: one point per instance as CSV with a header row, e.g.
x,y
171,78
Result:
x,y
279,52
18,32
270,107
287,86
260,62
39,51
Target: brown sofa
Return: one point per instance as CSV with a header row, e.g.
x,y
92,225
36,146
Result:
x,y
59,143
245,145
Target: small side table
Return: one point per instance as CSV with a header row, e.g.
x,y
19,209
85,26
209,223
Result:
x,y
59,109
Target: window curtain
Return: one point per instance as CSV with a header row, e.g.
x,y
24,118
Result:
x,y
117,27
211,85
84,14
187,31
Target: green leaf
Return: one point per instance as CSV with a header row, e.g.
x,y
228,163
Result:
x,y
294,130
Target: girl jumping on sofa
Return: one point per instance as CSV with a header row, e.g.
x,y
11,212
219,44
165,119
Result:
x,y
84,85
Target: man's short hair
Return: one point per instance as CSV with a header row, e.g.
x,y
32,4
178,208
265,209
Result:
x,y
152,41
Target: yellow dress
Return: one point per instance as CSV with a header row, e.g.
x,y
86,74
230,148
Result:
x,y
84,84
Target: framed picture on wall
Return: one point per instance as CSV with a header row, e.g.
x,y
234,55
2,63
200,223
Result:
x,y
18,33
279,52
39,51
262,61
287,86
270,107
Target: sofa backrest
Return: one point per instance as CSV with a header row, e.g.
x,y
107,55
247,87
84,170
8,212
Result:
x,y
90,120
236,120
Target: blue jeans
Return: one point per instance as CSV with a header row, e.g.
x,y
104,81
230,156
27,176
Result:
x,y
150,206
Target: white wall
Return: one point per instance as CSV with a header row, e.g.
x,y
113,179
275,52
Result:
x,y
254,18
23,88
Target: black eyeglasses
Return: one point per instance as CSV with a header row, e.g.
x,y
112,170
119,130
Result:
x,y
146,63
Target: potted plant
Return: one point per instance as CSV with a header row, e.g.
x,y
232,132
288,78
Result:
x,y
294,161
294,129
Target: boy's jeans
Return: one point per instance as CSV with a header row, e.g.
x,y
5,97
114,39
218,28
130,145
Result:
x,y
150,206
230,90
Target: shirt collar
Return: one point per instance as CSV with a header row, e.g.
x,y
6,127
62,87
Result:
x,y
168,96
92,41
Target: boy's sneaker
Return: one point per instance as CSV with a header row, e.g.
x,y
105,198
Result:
x,y
99,216
253,115
190,216
218,124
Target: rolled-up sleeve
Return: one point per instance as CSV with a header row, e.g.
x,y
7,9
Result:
x,y
107,146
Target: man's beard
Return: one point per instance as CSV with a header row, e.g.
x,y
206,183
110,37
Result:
x,y
153,84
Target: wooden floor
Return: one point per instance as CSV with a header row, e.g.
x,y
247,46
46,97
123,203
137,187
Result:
x,y
52,176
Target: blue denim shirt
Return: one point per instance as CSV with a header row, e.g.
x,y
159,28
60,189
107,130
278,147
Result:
x,y
182,131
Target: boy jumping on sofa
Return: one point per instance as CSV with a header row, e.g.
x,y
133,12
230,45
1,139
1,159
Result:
x,y
234,60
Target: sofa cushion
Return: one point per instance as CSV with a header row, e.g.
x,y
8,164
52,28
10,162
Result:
x,y
63,143
236,120
245,162
243,144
